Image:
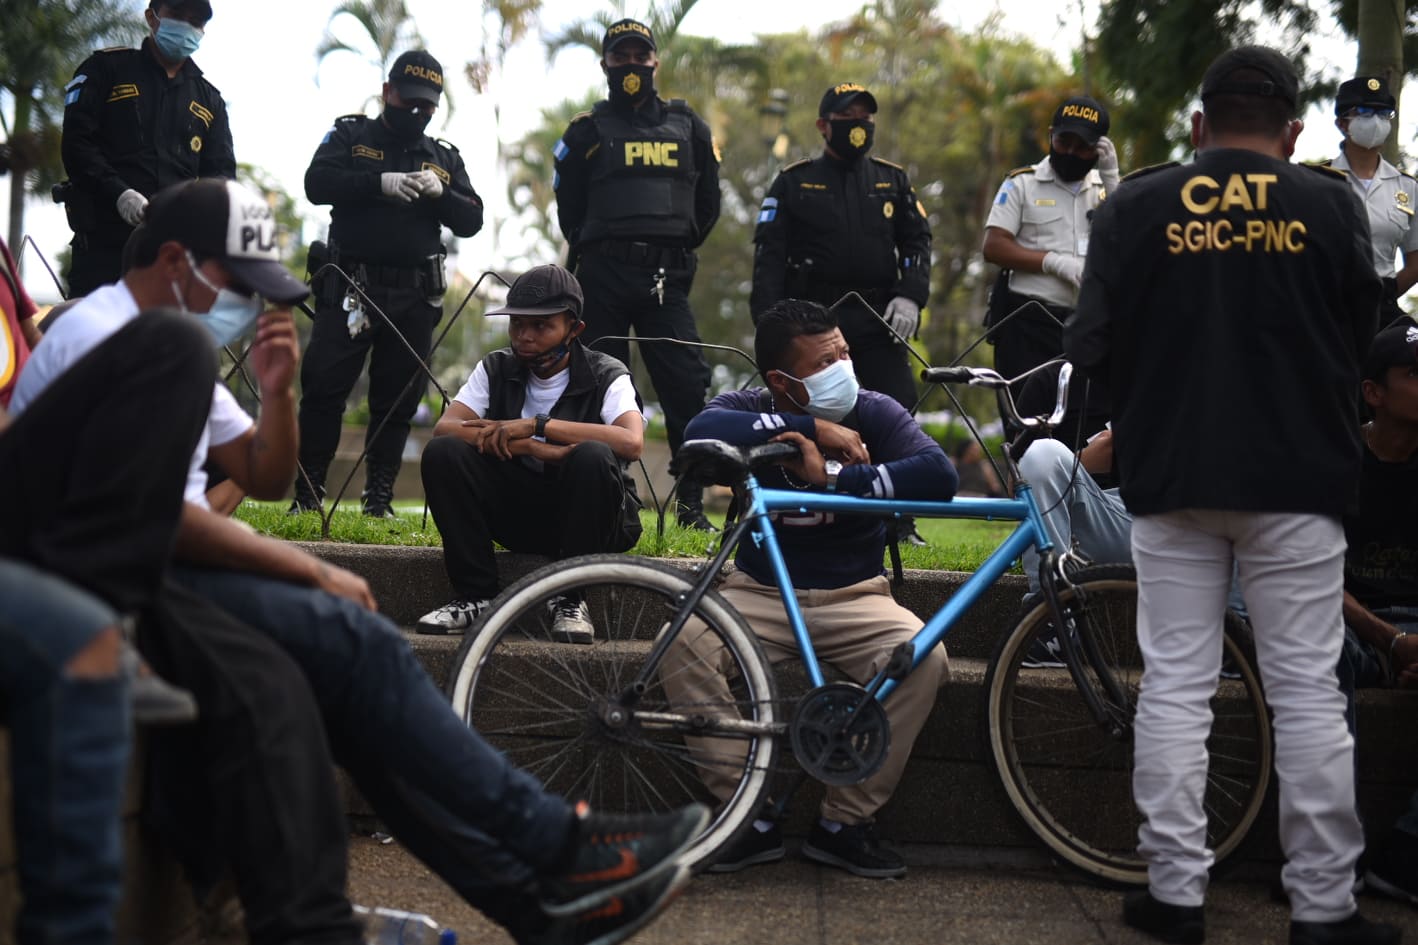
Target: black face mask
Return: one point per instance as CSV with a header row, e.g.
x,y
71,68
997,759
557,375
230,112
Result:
x,y
1070,167
850,138
406,123
550,357
630,84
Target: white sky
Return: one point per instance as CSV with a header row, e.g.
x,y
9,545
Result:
x,y
260,53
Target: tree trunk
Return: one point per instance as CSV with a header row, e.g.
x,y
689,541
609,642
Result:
x,y
1380,37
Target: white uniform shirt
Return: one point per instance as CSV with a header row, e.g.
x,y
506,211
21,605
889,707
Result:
x,y
1390,199
1044,213
87,325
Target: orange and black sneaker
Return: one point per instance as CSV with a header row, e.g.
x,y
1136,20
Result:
x,y
610,854
617,918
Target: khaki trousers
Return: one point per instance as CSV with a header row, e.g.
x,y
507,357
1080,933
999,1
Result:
x,y
855,629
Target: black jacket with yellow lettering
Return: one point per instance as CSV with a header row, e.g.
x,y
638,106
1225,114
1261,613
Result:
x,y
1229,302
828,226
367,225
648,174
128,126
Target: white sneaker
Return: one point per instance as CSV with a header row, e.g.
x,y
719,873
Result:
x,y
571,621
455,616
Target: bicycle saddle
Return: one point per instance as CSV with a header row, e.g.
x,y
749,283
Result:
x,y
714,461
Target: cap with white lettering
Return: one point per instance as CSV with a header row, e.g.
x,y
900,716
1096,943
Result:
x,y
226,221
1082,116
417,77
1395,346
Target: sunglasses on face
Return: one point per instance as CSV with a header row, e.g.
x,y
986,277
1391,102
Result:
x,y
1361,110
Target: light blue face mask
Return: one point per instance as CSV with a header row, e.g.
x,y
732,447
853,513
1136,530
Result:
x,y
230,316
831,392
176,39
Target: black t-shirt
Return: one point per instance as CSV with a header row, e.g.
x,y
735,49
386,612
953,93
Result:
x,y
1381,565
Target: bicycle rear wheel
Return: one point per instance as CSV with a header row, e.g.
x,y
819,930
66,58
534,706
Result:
x,y
573,716
1069,779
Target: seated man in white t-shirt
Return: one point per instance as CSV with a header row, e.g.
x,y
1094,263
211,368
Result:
x,y
532,454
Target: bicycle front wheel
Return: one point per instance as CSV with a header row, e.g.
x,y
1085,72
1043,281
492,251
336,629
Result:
x,y
1069,778
595,722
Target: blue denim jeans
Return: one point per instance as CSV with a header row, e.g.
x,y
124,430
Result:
x,y
484,825
68,753
1074,507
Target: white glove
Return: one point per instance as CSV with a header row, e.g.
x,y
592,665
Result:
x,y
1108,164
1065,266
903,315
428,183
132,207
399,185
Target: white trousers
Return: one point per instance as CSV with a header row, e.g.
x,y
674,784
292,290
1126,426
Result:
x,y
1291,573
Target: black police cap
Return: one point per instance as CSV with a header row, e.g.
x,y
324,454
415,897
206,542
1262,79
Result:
x,y
1083,116
622,30
842,95
1363,90
417,76
1277,77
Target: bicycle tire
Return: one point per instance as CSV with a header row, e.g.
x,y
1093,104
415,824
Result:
x,y
542,703
1070,781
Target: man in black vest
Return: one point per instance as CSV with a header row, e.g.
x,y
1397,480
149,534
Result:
x,y
392,189
136,121
637,189
531,453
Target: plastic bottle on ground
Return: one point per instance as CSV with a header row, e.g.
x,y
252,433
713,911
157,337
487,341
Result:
x,y
396,927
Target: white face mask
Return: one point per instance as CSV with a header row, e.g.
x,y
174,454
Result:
x,y
831,392
1369,131
231,314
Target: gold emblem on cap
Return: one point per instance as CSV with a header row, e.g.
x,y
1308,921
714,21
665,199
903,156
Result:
x,y
1373,85
888,210
631,84
195,144
858,136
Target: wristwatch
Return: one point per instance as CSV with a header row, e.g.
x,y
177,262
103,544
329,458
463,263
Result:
x,y
834,469
542,420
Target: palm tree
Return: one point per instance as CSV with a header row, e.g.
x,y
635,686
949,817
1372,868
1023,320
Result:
x,y
664,19
390,30
42,42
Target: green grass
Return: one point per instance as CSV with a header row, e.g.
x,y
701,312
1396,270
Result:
x,y
954,545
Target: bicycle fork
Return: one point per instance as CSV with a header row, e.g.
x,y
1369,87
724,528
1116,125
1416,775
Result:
x,y
1109,707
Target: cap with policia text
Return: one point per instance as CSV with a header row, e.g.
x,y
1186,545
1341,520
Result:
x,y
621,30
226,221
417,76
1395,346
1277,77
839,97
1082,116
1369,90
545,290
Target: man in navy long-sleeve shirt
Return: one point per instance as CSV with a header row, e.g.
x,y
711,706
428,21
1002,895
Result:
x,y
854,442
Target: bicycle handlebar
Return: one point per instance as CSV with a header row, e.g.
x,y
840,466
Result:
x,y
992,379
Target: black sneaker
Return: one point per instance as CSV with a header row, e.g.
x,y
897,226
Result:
x,y
753,847
616,919
1393,871
696,520
611,853
1177,925
1043,653
1355,930
854,848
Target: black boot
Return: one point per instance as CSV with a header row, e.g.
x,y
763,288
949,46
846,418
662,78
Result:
x,y
690,510
378,495
308,495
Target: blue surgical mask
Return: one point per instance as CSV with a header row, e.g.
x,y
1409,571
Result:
x,y
831,392
176,39
230,316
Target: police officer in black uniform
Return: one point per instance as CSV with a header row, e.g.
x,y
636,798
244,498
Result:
x,y
843,222
637,190
392,188
1229,302
136,121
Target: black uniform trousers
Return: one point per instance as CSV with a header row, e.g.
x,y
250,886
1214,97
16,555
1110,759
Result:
x,y
94,491
575,508
333,362
1030,338
92,264
620,296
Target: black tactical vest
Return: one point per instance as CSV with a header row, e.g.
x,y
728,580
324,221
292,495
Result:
x,y
642,178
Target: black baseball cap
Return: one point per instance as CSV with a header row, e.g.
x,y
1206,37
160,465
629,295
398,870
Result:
x,y
840,96
621,30
545,290
417,76
1278,76
1369,90
226,221
1082,116
1395,346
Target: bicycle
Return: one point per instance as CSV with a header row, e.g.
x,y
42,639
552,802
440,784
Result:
x,y
597,721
